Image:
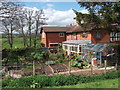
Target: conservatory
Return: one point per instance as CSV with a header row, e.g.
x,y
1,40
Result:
x,y
97,53
74,46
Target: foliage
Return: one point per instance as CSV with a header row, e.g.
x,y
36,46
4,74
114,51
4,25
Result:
x,y
101,15
37,56
74,63
76,56
50,62
5,81
59,61
79,64
52,56
22,82
60,80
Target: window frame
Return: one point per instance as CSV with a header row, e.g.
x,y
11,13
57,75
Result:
x,y
61,34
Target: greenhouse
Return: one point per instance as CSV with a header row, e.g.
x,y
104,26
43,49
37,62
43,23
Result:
x,y
97,53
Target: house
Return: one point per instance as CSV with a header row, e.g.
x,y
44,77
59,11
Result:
x,y
53,36
73,38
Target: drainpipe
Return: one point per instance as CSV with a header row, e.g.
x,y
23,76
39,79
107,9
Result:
x,y
100,59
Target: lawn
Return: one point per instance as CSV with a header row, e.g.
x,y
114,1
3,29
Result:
x,y
17,43
111,83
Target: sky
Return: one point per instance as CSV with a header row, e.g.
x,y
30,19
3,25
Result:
x,y
58,13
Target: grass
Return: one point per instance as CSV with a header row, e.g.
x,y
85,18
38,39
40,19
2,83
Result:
x,y
17,43
111,83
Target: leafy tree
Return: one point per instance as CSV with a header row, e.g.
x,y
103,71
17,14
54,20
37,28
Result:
x,y
101,15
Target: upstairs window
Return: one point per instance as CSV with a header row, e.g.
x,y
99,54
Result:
x,y
115,36
61,34
74,36
98,35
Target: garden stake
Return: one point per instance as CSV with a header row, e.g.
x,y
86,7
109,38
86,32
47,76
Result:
x,y
116,66
33,68
91,69
69,69
105,65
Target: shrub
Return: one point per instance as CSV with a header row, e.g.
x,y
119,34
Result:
x,y
59,80
22,82
5,81
42,81
74,63
59,61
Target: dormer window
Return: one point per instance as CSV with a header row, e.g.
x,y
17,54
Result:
x,y
98,35
61,34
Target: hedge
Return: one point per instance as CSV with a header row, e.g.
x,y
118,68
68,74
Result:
x,y
60,80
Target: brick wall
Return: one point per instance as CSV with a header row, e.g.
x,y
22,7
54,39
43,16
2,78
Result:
x,y
54,38
78,36
105,36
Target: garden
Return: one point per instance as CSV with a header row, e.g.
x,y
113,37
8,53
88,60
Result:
x,y
31,61
48,67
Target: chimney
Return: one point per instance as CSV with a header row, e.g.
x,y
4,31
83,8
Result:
x,y
70,24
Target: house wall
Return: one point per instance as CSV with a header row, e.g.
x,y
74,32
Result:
x,y
105,36
43,39
78,36
54,38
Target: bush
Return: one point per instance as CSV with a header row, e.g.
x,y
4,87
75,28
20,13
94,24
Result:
x,y
59,61
79,64
22,82
59,80
5,81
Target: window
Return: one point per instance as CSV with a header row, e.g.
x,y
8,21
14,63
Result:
x,y
61,34
74,36
74,49
65,47
98,35
115,36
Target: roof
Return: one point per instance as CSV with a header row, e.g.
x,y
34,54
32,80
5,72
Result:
x,y
97,47
67,29
55,29
75,28
77,42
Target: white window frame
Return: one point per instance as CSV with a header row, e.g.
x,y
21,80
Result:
x,y
61,34
114,36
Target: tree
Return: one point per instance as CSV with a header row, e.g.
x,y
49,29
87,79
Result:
x,y
101,14
39,20
21,24
29,18
8,13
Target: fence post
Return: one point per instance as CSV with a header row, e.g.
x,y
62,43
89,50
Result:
x,y
33,67
69,68
91,69
105,65
116,66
